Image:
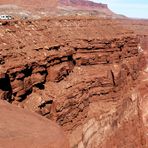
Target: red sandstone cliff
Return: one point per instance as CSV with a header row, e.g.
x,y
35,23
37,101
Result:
x,y
51,3
39,8
84,81
82,4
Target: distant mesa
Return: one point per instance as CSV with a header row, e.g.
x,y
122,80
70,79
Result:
x,y
83,4
55,3
40,8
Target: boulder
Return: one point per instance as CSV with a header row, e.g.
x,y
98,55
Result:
x,y
22,129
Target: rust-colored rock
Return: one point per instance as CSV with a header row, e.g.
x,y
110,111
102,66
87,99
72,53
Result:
x,y
20,129
84,81
37,8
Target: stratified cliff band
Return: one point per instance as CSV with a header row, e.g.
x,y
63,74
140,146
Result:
x,y
81,73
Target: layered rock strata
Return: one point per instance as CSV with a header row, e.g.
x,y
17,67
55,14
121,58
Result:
x,y
36,9
81,73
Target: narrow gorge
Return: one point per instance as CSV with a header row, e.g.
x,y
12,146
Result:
x,y
82,73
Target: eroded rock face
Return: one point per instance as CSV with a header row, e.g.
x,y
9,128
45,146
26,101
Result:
x,y
143,84
37,8
20,129
84,80
143,79
82,4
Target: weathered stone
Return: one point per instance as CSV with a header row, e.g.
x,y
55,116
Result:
x,y
20,128
82,80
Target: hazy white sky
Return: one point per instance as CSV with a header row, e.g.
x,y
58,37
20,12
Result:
x,y
130,8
